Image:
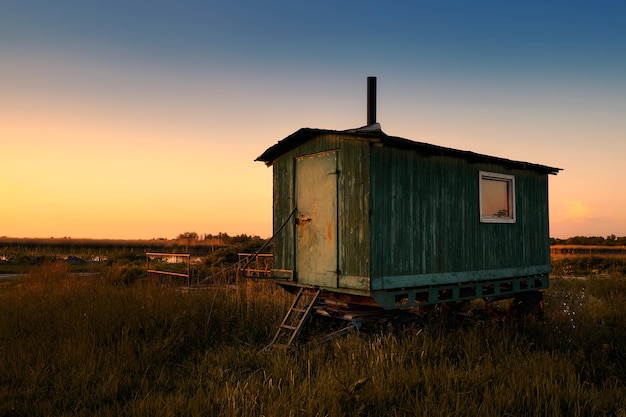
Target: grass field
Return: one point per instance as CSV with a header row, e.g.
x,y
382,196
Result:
x,y
76,346
594,261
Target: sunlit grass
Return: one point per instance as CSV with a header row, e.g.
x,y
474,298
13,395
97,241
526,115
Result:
x,y
89,346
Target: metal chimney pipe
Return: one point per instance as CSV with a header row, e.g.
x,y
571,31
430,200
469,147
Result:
x,y
371,100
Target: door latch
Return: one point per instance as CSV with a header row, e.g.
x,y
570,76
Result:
x,y
303,219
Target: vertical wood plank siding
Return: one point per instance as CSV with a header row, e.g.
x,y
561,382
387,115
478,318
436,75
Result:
x,y
354,209
425,217
404,214
284,201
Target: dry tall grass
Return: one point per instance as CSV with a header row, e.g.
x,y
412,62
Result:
x,y
76,346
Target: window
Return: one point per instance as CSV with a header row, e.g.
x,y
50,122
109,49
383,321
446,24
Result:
x,y
497,197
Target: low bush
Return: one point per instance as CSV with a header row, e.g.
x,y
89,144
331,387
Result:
x,y
589,265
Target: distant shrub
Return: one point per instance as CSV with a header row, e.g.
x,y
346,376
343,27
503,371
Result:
x,y
589,265
124,274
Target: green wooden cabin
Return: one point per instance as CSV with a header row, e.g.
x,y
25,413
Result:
x,y
396,223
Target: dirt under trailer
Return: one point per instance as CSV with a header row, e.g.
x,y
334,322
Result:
x,y
369,225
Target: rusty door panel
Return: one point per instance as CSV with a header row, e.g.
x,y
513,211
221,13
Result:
x,y
316,231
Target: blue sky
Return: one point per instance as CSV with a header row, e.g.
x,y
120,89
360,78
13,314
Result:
x,y
154,111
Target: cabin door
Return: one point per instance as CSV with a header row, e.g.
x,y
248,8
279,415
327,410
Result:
x,y
316,230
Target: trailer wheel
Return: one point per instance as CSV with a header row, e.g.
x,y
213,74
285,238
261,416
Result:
x,y
527,306
407,323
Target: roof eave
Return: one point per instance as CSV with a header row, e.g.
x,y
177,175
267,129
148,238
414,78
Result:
x,y
305,134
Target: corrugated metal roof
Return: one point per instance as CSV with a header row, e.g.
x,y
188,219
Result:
x,y
376,135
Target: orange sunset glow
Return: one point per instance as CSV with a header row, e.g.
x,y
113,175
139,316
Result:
x,y
149,127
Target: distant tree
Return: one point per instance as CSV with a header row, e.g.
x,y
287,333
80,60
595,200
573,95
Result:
x,y
610,240
188,236
584,240
596,240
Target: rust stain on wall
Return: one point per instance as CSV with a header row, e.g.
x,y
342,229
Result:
x,y
329,231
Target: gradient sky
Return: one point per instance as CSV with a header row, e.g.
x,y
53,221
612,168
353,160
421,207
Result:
x,y
142,119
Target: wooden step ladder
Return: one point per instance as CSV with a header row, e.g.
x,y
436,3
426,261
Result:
x,y
295,317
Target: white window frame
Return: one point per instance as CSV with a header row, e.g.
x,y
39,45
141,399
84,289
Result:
x,y
510,179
